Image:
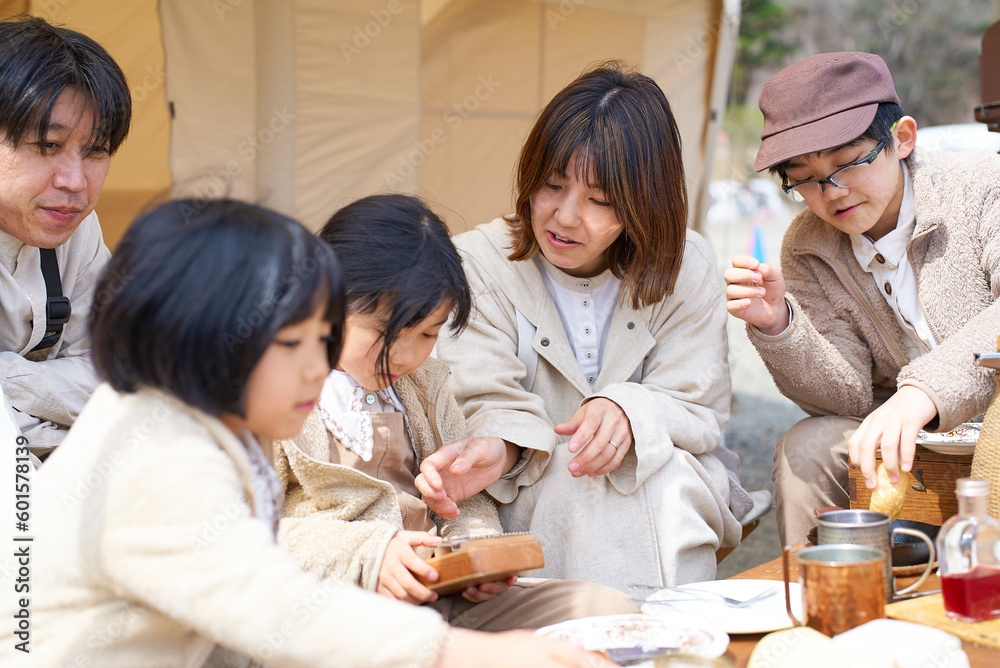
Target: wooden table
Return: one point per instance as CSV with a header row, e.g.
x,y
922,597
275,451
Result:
x,y
741,646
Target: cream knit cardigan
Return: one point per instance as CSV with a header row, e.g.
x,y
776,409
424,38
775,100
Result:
x,y
148,553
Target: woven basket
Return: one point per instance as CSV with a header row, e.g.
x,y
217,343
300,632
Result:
x,y
986,460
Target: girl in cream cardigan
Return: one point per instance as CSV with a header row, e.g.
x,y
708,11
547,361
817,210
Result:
x,y
214,327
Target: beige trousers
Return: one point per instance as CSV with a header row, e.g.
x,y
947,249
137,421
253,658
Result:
x,y
810,472
533,603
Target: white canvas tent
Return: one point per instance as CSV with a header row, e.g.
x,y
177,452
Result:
x,y
304,105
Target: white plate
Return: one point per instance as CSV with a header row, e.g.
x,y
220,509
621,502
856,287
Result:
x,y
761,617
948,448
958,441
646,631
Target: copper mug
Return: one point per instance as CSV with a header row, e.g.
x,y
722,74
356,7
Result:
x,y
866,527
841,586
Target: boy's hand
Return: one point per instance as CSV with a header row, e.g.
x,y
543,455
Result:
x,y
395,578
893,427
602,434
487,590
462,469
755,293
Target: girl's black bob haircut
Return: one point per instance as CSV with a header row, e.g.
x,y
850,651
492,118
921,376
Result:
x,y
197,290
398,260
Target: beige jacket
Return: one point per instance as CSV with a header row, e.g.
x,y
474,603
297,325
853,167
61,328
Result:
x,y
661,515
844,353
48,389
338,520
148,553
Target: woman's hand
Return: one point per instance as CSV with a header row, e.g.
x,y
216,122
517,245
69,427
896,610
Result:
x,y
462,469
601,434
755,293
400,563
514,649
893,427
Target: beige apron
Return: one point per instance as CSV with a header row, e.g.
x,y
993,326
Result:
x,y
394,461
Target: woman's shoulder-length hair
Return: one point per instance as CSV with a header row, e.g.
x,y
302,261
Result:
x,y
622,125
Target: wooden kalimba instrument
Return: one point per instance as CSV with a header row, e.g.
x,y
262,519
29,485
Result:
x,y
465,562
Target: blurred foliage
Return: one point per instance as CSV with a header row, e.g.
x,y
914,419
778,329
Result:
x,y
931,47
762,43
738,142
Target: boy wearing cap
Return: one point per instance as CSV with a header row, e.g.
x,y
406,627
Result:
x,y
887,281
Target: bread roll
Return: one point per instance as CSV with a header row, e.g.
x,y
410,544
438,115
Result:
x,y
889,497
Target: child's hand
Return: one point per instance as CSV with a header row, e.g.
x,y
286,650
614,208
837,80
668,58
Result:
x,y
603,431
894,427
755,293
462,469
487,590
395,578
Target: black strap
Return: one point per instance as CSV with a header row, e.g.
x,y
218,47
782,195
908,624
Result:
x,y
57,307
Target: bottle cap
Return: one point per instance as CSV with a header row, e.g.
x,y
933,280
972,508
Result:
x,y
972,487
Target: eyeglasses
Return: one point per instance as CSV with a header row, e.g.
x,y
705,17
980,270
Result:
x,y
847,176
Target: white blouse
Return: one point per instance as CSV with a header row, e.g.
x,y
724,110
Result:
x,y
886,260
585,307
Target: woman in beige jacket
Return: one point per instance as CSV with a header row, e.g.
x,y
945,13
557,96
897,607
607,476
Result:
x,y
595,359
154,523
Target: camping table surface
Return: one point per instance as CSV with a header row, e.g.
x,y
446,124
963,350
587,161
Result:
x,y
741,646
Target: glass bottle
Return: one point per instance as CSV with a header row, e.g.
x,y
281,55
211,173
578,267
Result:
x,y
968,548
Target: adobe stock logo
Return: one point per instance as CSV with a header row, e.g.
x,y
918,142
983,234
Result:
x,y
417,152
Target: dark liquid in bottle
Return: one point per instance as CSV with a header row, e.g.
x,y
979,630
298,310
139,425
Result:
x,y
972,596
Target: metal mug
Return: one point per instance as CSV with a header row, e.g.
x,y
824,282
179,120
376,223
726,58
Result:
x,y
841,586
866,527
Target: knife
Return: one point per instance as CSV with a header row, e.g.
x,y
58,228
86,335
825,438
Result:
x,y
626,656
916,594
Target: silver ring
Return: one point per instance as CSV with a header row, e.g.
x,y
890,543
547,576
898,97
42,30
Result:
x,y
613,444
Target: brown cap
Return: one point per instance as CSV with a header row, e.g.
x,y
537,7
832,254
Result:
x,y
821,102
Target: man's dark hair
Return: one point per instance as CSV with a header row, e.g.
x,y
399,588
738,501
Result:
x,y
879,130
197,290
38,61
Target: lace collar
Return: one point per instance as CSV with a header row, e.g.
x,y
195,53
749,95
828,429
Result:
x,y
342,407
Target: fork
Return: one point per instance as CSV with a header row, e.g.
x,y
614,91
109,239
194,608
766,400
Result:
x,y
699,594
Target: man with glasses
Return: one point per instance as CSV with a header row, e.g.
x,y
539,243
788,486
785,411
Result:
x,y
886,285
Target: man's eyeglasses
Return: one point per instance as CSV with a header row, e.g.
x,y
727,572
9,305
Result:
x,y
847,176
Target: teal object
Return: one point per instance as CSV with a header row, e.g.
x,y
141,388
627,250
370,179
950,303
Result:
x,y
757,243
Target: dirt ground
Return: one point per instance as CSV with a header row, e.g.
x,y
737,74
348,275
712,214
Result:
x,y
760,417
760,414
